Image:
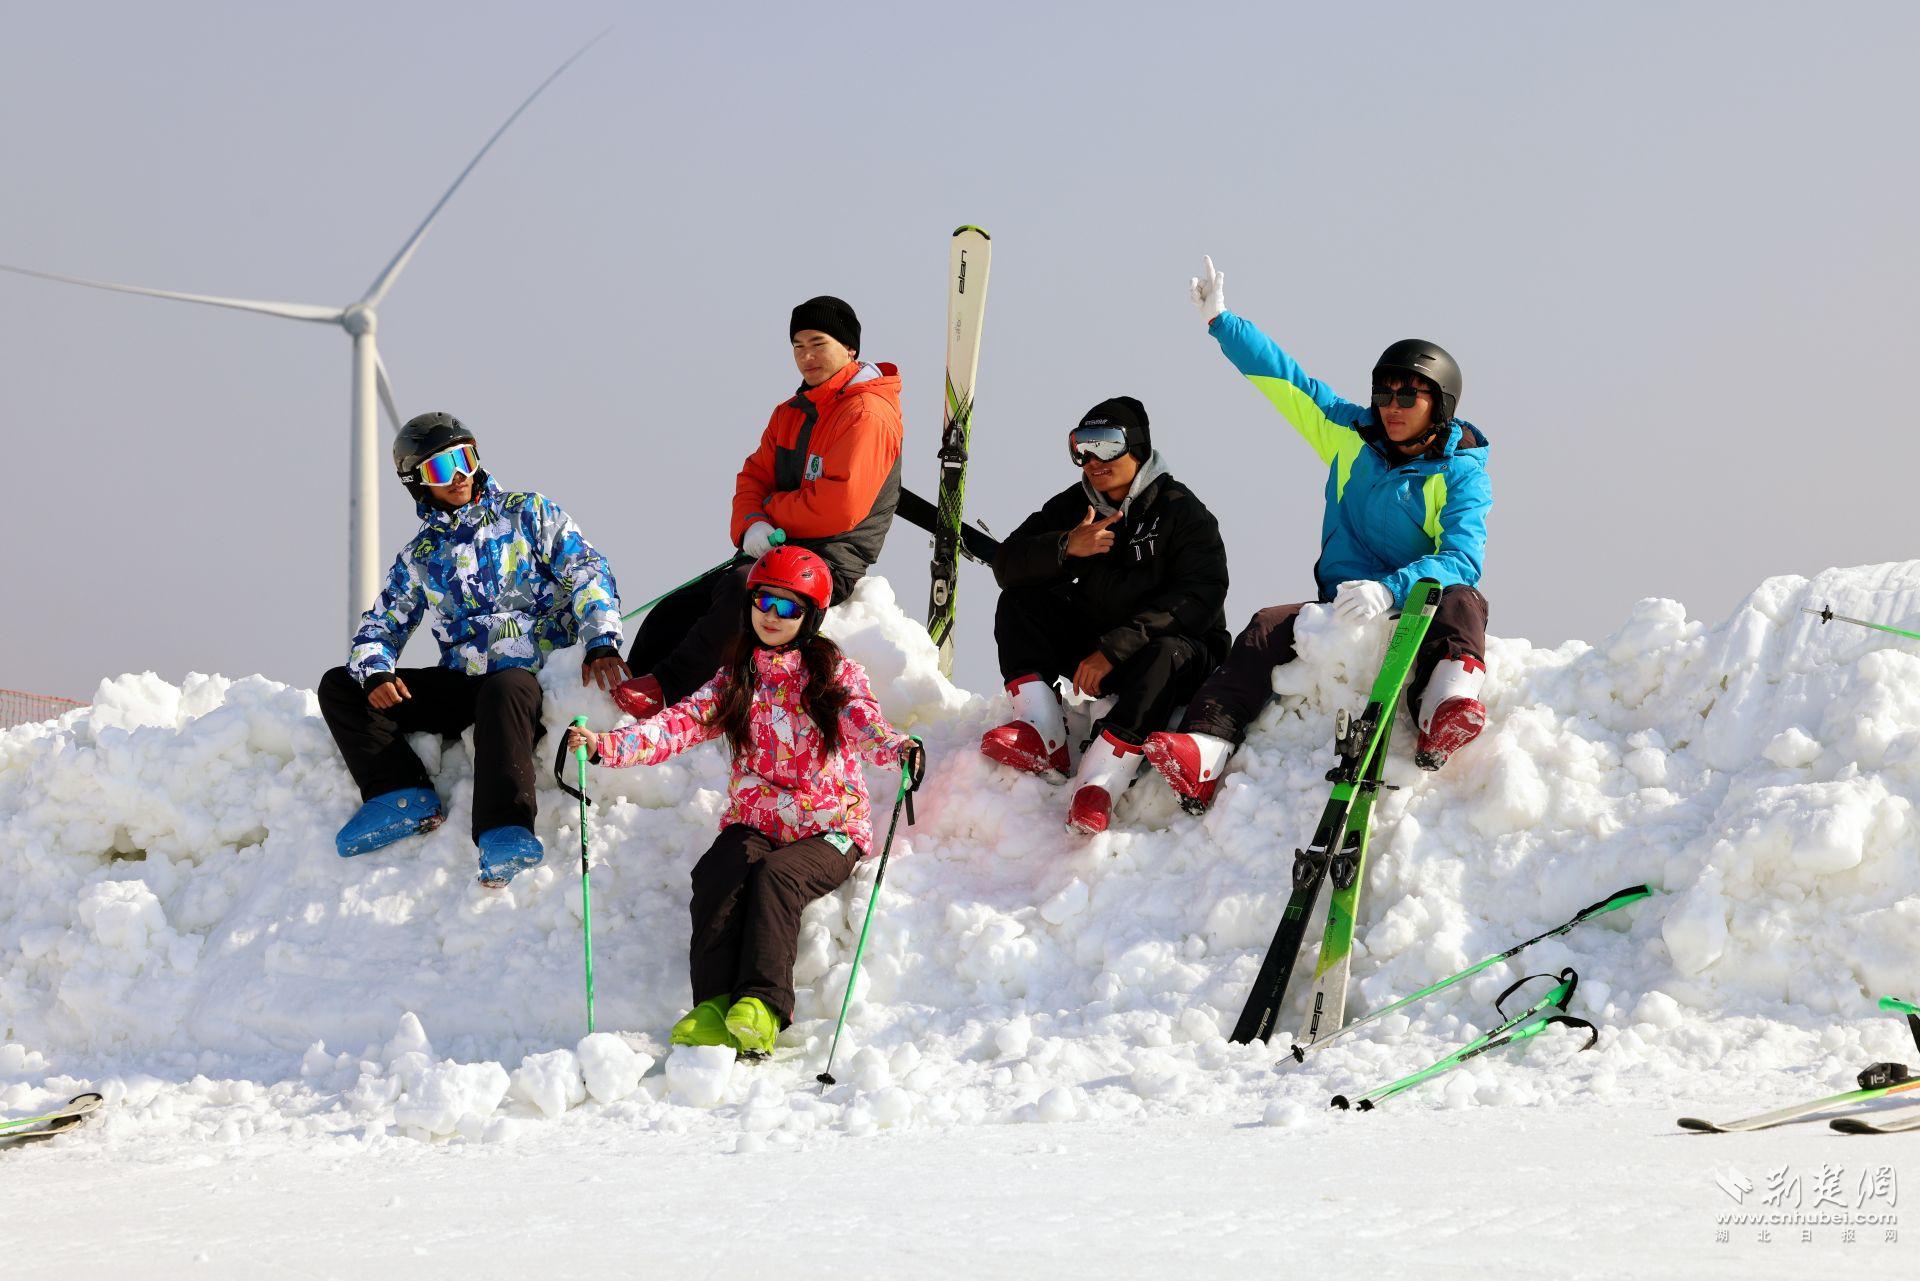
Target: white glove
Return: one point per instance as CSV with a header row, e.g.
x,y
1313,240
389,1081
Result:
x,y
1209,292
1361,600
758,540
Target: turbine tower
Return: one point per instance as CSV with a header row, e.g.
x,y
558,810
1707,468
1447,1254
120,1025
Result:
x,y
361,321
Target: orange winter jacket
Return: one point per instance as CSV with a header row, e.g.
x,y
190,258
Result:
x,y
827,471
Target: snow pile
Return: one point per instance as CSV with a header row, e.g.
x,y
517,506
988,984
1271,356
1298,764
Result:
x,y
176,930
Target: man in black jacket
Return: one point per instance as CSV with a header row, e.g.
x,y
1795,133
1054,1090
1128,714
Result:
x,y
1120,583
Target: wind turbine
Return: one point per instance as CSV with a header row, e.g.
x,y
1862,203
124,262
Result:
x,y
360,319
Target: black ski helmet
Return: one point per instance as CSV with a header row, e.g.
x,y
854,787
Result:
x,y
424,436
1431,361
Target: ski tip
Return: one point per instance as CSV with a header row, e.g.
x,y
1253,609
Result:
x,y
964,228
1703,1127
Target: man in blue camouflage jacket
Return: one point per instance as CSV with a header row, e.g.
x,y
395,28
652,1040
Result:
x,y
507,578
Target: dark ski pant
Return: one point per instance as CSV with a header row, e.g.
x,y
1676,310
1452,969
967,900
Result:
x,y
748,894
1240,687
682,640
502,707
1040,630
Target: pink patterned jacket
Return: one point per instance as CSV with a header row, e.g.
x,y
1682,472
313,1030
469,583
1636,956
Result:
x,y
783,785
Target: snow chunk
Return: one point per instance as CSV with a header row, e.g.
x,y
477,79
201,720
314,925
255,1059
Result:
x,y
550,1082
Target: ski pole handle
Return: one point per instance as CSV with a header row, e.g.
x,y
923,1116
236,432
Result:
x,y
580,753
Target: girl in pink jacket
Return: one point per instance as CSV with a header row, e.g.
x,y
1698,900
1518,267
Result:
x,y
799,716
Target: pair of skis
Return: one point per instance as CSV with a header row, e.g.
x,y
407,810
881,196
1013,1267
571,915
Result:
x,y
1339,846
30,1129
1875,1081
968,260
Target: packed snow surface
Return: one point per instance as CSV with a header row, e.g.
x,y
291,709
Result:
x,y
177,932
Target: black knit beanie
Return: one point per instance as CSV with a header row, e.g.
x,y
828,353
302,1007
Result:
x,y
831,317
1126,412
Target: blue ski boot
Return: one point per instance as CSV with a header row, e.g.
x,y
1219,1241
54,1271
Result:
x,y
387,818
505,852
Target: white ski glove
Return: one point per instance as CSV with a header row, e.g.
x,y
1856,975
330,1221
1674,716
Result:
x,y
758,540
1361,600
1209,292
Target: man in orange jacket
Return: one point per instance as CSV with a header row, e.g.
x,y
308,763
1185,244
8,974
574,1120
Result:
x,y
826,475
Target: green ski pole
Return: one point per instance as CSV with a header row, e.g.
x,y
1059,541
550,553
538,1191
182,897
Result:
x,y
1828,616
909,784
1618,899
779,537
586,866
1542,1014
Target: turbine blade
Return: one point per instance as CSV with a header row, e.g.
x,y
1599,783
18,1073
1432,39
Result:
x,y
385,385
377,291
290,310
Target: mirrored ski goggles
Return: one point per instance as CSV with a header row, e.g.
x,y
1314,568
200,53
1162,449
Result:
x,y
461,460
778,606
1405,397
1104,443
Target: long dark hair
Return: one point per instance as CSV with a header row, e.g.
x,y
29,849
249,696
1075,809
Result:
x,y
823,696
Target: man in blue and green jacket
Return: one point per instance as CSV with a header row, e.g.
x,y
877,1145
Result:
x,y
1407,497
506,579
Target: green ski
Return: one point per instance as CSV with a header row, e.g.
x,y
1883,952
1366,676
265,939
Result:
x,y
1364,737
1327,1003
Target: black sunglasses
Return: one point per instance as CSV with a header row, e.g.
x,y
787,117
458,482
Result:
x,y
1405,397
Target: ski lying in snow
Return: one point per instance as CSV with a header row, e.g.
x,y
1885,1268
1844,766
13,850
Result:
x,y
1893,1122
1535,1019
1618,899
28,1129
976,544
1327,1002
1356,750
1875,1081
967,263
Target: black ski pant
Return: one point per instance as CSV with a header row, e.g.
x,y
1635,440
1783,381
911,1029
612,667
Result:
x,y
748,894
502,707
683,639
1042,631
1239,688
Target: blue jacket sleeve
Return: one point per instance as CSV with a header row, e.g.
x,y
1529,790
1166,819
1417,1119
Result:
x,y
1459,529
583,572
1322,418
384,629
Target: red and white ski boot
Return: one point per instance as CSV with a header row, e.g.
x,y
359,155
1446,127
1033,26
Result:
x,y
1191,764
1451,714
1107,768
1035,740
640,697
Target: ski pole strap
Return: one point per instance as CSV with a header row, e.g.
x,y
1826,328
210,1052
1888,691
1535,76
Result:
x,y
560,766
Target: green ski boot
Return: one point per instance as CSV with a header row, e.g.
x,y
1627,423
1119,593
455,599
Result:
x,y
704,1024
753,1026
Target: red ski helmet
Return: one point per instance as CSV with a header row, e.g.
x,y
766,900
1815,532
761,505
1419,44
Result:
x,y
794,570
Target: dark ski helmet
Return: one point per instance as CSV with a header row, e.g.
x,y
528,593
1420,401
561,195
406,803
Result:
x,y
1431,361
799,573
424,436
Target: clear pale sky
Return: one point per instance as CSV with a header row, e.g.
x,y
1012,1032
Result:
x,y
1671,246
